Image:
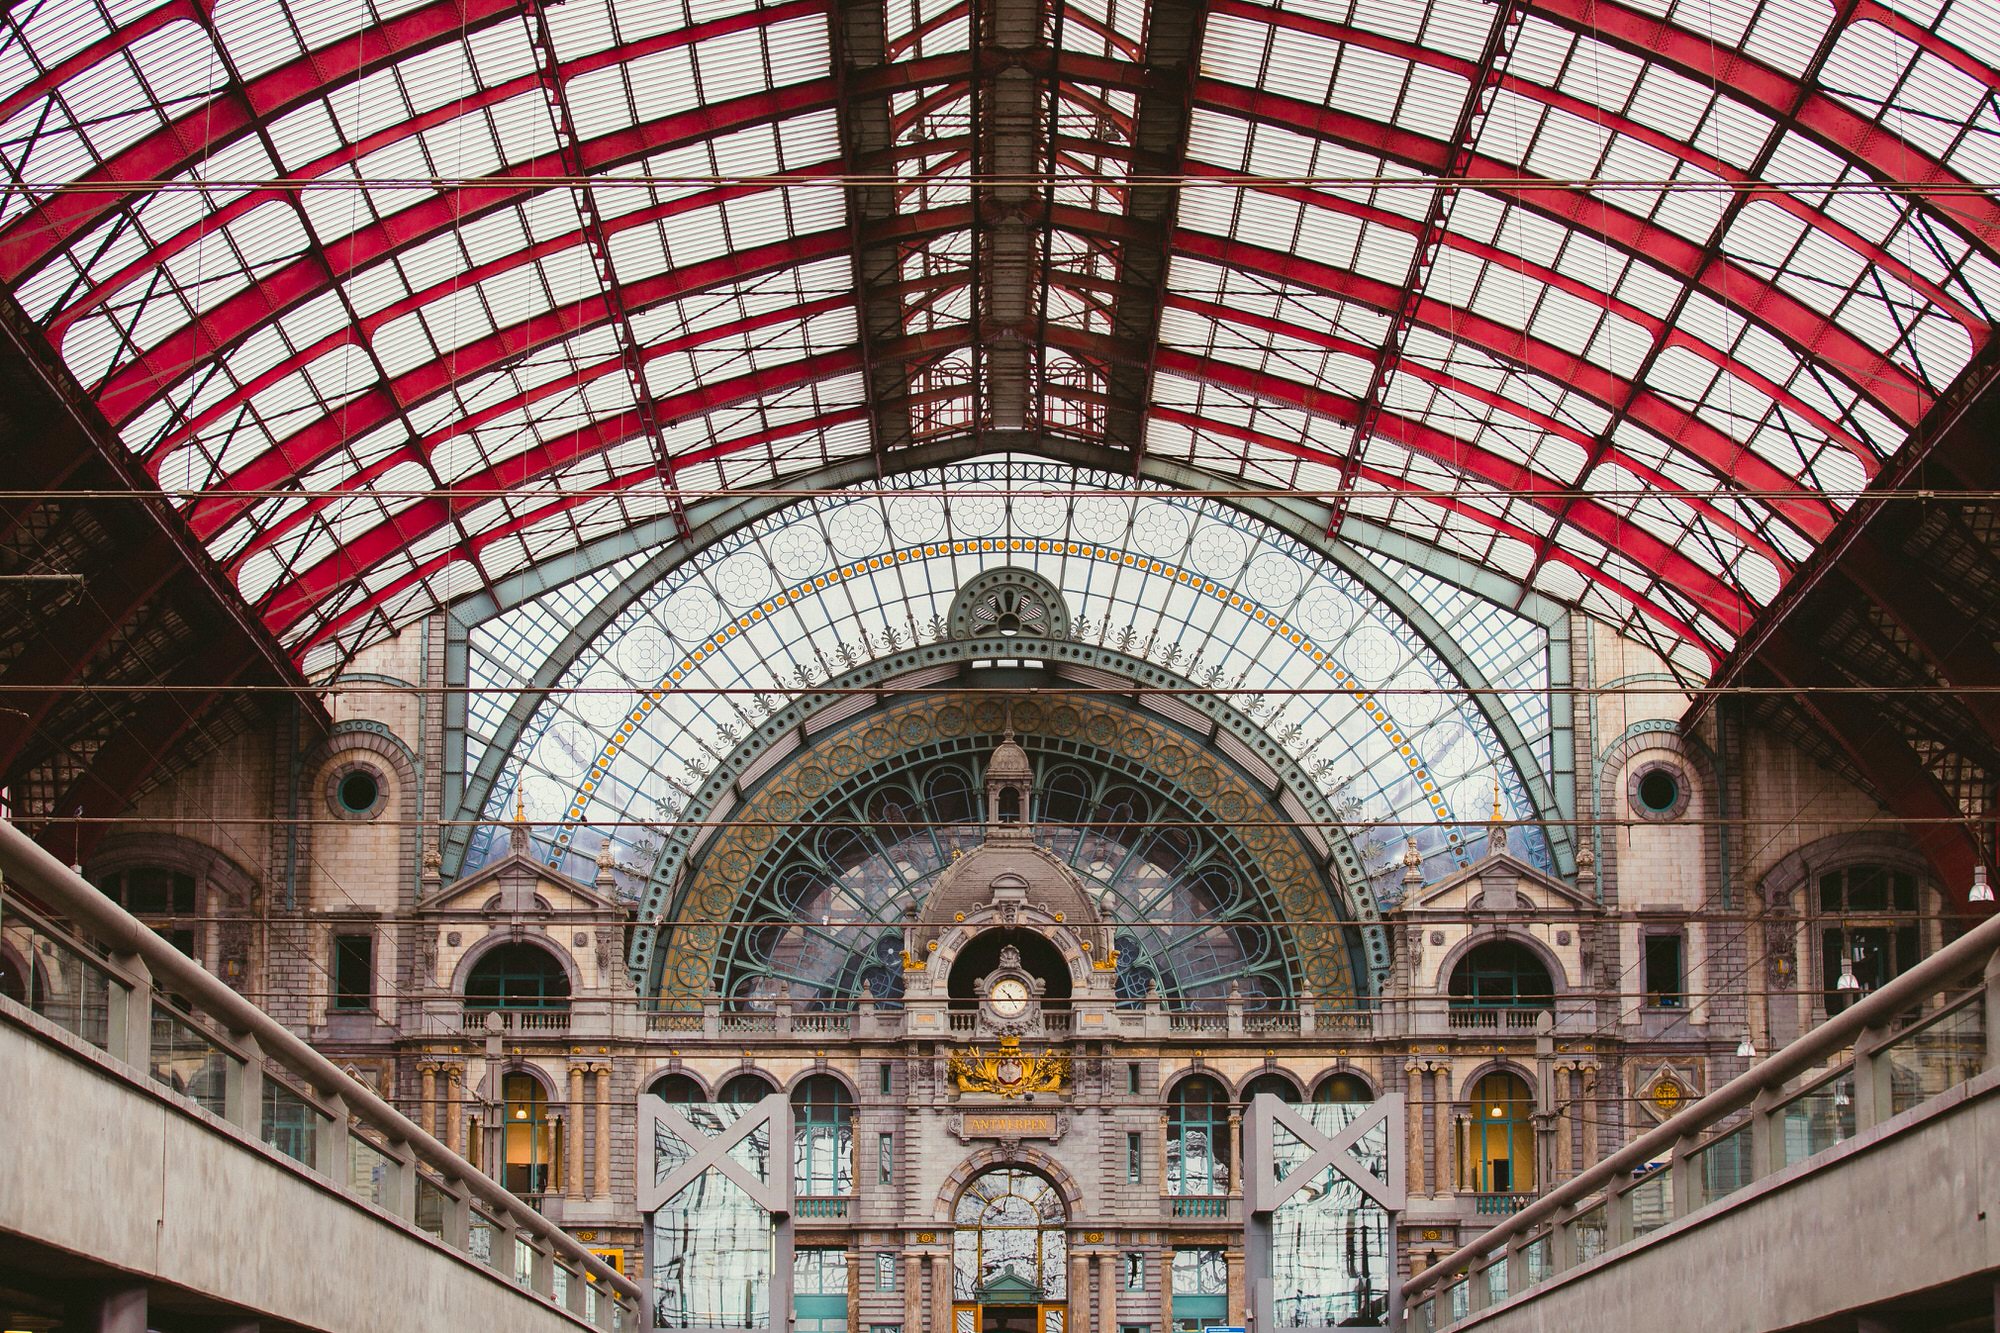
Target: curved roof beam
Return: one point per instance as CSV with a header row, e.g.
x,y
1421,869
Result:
x,y
1758,474
1612,529
1845,133
1615,531
1670,423
376,407
134,385
1752,297
1393,483
177,146
1527,416
1623,125
292,600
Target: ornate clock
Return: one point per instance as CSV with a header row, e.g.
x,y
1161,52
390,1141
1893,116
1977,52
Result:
x,y
1010,998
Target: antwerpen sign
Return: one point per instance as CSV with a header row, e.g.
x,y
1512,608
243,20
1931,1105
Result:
x,y
1010,1124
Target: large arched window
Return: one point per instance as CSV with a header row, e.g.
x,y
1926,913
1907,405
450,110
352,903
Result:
x,y
1870,930
677,1090
1343,1087
1496,1140
745,1088
164,899
822,1138
1276,1084
517,976
1009,1241
528,1150
15,982
1198,1137
1501,973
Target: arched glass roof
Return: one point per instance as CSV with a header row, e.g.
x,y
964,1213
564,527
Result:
x,y
1373,709
1624,298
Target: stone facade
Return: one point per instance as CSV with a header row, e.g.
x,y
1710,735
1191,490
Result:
x,y
1718,855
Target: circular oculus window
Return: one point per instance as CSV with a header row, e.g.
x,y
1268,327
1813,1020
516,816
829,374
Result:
x,y
1658,790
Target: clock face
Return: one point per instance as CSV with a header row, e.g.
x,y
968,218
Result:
x,y
1009,997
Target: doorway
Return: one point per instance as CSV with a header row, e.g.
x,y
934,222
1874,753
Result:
x,y
1008,1317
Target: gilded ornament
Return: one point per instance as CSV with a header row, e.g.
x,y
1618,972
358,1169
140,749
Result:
x,y
1010,1071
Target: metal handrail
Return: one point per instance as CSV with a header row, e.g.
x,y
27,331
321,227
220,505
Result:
x,y
63,889
1957,959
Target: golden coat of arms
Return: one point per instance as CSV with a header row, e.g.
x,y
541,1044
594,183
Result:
x,y
1009,1071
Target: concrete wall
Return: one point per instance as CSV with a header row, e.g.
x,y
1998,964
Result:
x,y
1888,1214
120,1173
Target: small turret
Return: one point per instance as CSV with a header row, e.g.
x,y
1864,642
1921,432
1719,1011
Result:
x,y
1010,784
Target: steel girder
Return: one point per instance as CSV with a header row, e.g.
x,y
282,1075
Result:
x,y
1817,520
1711,254
1834,126
1160,125
1615,531
1718,452
1815,336
1477,72
1481,81
136,384
1882,755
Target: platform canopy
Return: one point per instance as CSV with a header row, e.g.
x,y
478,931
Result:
x,y
1622,300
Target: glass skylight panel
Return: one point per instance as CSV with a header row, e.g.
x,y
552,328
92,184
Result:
x,y
680,752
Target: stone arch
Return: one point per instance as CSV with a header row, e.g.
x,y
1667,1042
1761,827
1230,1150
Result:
x,y
1560,984
373,739
498,938
999,1156
655,1073
225,890
791,1085
1236,1091
1180,1076
1344,1070
1499,1065
1611,788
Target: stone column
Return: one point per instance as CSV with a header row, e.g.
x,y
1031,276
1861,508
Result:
x,y
853,1288
603,1146
1413,1125
1588,1075
1108,1277
1079,1291
941,1292
427,1107
454,1125
1166,1290
574,1184
1447,1172
1239,1299
913,1294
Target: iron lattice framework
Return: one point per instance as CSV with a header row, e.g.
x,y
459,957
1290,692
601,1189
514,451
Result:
x,y
1623,300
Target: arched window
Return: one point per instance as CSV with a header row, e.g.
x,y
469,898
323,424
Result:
x,y
1276,1084
164,899
745,1088
1198,1137
1009,1244
1343,1087
1870,930
528,1148
1496,1148
1501,973
822,1138
517,976
677,1090
15,982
